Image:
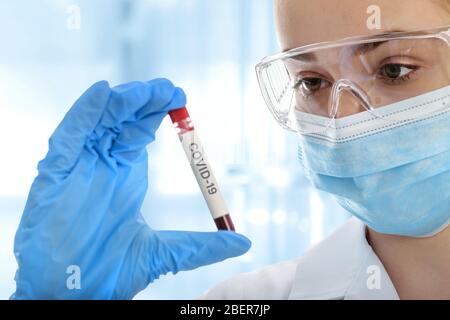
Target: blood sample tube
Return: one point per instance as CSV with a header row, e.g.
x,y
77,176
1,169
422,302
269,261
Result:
x,y
201,168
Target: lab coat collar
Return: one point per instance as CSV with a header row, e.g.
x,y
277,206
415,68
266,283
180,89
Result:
x,y
343,266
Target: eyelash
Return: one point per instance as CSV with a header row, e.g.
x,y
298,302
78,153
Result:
x,y
402,79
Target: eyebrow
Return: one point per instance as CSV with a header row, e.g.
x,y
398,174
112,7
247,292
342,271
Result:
x,y
358,49
305,57
367,47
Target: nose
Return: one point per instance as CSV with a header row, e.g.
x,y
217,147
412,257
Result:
x,y
347,105
346,99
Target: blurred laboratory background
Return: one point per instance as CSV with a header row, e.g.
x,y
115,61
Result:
x,y
52,50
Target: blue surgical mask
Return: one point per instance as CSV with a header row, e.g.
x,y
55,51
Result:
x,y
392,174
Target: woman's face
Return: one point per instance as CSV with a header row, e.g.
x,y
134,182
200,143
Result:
x,y
388,73
302,22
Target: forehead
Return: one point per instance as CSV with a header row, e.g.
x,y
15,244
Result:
x,y
302,22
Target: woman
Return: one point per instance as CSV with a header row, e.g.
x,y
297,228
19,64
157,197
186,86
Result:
x,y
372,113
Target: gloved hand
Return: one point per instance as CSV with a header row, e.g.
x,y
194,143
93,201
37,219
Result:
x,y
83,210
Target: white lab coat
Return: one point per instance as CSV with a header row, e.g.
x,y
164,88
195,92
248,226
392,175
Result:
x,y
343,266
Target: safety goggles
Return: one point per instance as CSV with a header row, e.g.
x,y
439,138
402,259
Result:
x,y
307,88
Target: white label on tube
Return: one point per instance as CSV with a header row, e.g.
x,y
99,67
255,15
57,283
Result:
x,y
203,173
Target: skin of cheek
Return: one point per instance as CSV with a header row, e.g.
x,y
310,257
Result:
x,y
337,19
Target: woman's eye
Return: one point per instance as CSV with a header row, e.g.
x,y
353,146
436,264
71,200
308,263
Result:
x,y
394,71
310,85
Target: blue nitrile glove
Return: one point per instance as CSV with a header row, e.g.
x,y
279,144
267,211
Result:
x,y
82,217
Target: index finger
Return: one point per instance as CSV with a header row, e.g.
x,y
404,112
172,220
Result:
x,y
70,136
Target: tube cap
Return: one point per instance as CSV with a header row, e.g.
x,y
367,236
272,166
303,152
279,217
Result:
x,y
178,114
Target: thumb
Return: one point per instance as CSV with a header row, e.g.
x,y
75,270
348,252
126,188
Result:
x,y
182,250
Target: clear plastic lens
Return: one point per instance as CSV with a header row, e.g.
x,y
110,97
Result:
x,y
306,90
